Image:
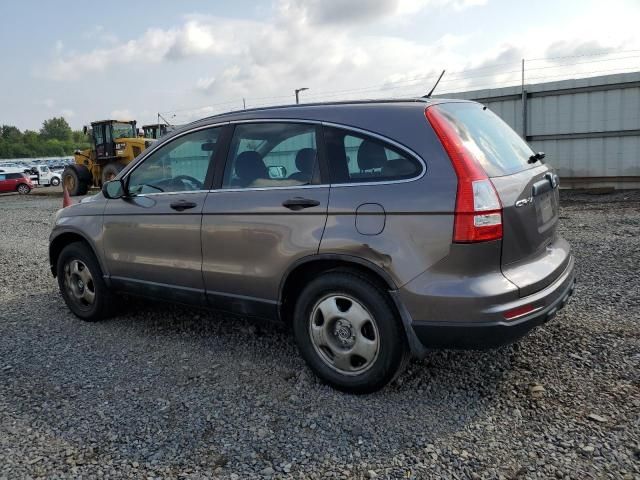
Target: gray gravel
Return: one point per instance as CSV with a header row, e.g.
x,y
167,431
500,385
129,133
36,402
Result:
x,y
170,392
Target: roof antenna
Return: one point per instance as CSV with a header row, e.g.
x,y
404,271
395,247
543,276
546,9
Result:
x,y
428,95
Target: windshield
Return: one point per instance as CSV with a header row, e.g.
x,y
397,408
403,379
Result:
x,y
150,132
499,149
123,130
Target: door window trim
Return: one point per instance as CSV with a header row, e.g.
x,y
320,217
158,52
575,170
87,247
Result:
x,y
214,184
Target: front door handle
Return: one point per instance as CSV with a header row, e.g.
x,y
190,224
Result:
x,y
182,205
298,203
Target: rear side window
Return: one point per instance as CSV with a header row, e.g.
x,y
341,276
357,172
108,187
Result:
x,y
495,145
264,155
356,158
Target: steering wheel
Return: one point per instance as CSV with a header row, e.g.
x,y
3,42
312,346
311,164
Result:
x,y
188,178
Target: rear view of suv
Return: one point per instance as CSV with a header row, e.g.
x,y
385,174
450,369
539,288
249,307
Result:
x,y
377,230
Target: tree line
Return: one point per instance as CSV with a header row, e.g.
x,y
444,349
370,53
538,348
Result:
x,y
55,139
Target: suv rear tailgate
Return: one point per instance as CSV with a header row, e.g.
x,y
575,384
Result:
x,y
533,255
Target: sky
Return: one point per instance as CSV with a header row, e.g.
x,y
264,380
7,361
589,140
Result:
x,y
189,59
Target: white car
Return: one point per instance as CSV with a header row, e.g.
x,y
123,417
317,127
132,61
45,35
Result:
x,y
46,177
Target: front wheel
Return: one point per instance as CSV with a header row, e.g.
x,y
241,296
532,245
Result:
x,y
348,332
73,182
23,189
81,283
55,181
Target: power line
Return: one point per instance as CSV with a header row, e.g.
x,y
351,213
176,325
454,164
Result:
x,y
580,55
456,77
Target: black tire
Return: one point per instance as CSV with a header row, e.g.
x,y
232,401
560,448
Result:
x,y
110,171
74,183
103,305
55,181
392,350
23,189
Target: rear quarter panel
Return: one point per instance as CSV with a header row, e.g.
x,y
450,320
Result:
x,y
418,221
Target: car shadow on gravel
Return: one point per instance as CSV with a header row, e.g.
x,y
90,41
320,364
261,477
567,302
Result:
x,y
190,386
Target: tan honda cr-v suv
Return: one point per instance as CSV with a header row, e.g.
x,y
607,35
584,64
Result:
x,y
376,229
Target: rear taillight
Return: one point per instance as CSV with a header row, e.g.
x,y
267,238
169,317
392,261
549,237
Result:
x,y
478,211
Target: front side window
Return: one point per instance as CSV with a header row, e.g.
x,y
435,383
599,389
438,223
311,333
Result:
x,y
272,155
123,130
355,158
178,166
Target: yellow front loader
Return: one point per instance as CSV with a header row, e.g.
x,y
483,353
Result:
x,y
114,144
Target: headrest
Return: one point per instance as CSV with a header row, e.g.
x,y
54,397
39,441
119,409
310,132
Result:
x,y
249,166
371,155
305,159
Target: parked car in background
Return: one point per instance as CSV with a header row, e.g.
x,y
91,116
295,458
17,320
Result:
x,y
15,182
376,229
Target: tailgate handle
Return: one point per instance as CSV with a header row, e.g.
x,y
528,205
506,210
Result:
x,y
183,205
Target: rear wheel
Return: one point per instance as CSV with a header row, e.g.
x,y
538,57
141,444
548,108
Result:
x,y
23,189
81,283
348,332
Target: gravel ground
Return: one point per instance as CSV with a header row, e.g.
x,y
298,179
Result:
x,y
171,392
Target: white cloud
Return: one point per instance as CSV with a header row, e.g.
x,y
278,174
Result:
x,y
122,114
349,12
194,38
321,45
67,113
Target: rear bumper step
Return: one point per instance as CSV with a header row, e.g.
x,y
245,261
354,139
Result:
x,y
484,335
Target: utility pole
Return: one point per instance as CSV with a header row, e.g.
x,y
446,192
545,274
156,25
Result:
x,y
298,90
524,106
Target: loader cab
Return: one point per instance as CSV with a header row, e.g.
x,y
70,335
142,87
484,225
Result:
x,y
154,131
105,134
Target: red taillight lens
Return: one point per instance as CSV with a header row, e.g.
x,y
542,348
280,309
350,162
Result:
x,y
478,214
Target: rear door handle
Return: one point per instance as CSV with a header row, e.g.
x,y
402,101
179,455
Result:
x,y
182,205
298,203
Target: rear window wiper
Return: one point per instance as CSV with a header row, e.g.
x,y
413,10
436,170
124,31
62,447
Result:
x,y
536,156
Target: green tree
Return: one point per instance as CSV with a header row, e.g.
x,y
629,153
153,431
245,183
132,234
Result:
x,y
55,139
56,128
10,133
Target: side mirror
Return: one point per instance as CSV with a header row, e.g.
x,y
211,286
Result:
x,y
114,189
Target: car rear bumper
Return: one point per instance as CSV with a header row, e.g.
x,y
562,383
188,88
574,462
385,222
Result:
x,y
489,328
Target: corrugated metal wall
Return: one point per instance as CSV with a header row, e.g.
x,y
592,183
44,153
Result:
x,y
589,128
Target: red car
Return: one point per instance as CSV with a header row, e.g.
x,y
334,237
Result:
x,y
15,182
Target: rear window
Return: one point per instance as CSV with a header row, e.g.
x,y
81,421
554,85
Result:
x,y
495,145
